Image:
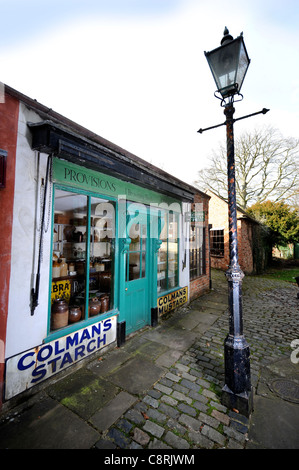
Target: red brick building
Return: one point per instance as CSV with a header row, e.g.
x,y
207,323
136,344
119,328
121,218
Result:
x,y
252,238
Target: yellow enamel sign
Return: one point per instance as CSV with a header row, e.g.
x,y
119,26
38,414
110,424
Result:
x,y
173,300
61,290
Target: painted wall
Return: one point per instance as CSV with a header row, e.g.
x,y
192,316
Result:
x,y
23,330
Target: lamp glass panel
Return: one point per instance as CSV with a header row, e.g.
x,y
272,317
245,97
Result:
x,y
229,64
243,65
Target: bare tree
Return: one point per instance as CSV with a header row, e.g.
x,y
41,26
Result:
x,y
266,166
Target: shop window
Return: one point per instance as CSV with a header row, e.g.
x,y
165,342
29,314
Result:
x,y
83,258
197,251
217,242
168,252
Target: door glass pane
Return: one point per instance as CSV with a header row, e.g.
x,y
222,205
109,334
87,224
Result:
x,y
143,259
162,254
68,259
143,248
134,252
101,250
136,257
172,251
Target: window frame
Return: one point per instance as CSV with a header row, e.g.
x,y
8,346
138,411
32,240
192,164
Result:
x,y
217,242
55,334
197,255
177,276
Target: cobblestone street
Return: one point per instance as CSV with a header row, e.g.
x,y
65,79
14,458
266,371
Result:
x,y
161,390
183,409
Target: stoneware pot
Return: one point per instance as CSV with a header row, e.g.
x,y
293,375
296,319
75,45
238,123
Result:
x,y
59,314
104,298
105,281
94,307
74,314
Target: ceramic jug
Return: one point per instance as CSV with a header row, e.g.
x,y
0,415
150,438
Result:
x,y
94,306
74,314
59,314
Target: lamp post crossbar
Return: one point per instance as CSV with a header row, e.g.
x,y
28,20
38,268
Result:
x,y
263,111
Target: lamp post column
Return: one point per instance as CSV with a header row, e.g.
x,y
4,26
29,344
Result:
x,y
237,391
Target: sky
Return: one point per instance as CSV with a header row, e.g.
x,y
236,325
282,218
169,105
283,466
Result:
x,y
135,73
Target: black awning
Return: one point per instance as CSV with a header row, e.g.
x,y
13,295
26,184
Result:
x,y
48,137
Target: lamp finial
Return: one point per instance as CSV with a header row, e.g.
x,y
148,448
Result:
x,y
227,37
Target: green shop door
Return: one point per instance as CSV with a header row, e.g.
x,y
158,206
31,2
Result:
x,y
136,267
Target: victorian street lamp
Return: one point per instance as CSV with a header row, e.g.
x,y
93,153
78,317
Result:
x,y
229,64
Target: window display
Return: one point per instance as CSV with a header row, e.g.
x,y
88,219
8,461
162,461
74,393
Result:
x,y
82,257
168,253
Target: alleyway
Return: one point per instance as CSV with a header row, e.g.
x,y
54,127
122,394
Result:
x,y
161,390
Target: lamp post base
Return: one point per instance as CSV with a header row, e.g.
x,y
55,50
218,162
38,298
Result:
x,y
237,391
243,402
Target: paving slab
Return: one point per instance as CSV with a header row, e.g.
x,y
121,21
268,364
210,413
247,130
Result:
x,y
47,425
105,365
83,392
137,375
151,349
174,338
191,320
104,418
170,357
274,424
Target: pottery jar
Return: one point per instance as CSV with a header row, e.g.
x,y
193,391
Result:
x,y
71,268
56,269
74,314
63,267
94,307
59,314
105,281
80,267
104,298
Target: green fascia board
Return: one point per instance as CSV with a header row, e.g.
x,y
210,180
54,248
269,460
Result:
x,y
80,177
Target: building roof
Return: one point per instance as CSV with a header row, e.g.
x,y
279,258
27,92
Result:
x,y
243,214
95,151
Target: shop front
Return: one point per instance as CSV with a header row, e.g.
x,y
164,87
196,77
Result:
x,y
99,247
109,254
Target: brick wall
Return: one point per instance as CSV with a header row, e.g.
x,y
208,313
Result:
x,y
218,216
245,245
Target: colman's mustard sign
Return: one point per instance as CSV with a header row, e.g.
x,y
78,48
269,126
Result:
x,y
173,300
